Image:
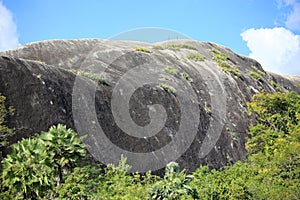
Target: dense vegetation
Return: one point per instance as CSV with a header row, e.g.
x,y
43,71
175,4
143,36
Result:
x,y
52,165
5,131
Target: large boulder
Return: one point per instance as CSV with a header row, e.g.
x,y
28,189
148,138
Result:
x,y
180,100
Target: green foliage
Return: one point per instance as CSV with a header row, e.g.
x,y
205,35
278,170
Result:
x,y
4,113
36,165
116,183
167,88
272,168
228,69
101,80
222,61
276,86
171,70
187,77
81,183
275,141
196,56
260,72
270,171
175,47
229,183
218,56
298,85
28,170
276,113
66,147
255,75
207,110
142,50
174,185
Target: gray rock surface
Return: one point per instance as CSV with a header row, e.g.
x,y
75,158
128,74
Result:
x,y
36,80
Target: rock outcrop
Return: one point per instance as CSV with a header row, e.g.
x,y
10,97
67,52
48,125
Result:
x,y
180,100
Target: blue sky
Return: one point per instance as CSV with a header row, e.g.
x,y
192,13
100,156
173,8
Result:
x,y
267,30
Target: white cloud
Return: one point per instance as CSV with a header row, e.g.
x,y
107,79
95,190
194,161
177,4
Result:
x,y
8,29
277,49
292,20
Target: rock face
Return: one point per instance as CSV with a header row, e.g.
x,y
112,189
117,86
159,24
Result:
x,y
178,100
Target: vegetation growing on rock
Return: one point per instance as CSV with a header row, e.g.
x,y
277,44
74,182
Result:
x,y
222,61
142,50
270,171
255,76
262,73
175,47
167,88
196,56
171,70
91,76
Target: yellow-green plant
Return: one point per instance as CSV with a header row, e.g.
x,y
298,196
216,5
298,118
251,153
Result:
x,y
88,75
167,88
171,70
255,76
175,47
196,56
142,50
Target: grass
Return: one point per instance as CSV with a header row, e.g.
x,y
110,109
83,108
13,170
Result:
x,y
88,75
171,70
142,50
187,77
221,60
231,70
260,72
298,85
218,56
207,110
167,88
276,86
175,47
196,56
255,76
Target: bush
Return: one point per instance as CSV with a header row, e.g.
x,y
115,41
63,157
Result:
x,y
5,112
81,183
28,170
66,147
272,168
118,184
36,165
174,185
